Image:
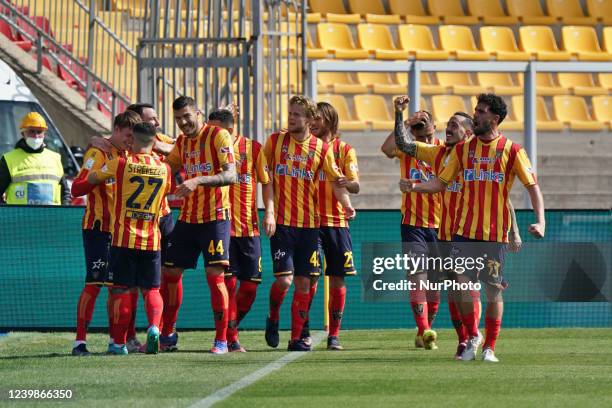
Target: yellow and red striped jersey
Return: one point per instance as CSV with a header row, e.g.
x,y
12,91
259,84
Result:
x,y
488,169
100,198
451,196
165,206
295,165
204,155
330,209
252,168
419,210
142,181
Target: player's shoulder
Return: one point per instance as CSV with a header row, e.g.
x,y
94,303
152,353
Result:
x,y
164,138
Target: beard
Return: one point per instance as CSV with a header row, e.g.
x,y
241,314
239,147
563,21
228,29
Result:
x,y
482,128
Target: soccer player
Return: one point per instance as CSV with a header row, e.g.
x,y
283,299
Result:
x,y
97,222
296,157
142,180
420,220
206,153
489,163
245,245
334,235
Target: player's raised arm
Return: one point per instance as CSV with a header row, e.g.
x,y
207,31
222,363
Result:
x,y
403,143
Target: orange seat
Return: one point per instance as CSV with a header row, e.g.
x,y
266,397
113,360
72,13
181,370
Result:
x,y
543,119
374,110
346,120
529,12
582,42
376,38
336,39
569,12
539,41
499,42
418,41
490,12
580,83
412,11
573,110
460,42
450,11
373,11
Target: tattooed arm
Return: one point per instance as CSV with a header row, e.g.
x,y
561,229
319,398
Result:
x,y
402,137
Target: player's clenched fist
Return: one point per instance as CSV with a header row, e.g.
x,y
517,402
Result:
x,y
537,229
400,103
406,186
350,213
186,188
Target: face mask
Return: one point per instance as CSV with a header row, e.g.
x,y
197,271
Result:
x,y
35,143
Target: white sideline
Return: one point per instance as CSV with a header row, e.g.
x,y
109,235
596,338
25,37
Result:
x,y
247,380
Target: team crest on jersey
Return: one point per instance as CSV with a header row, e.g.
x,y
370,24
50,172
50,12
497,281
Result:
x,y
89,163
284,149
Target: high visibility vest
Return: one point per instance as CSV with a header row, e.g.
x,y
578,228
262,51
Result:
x,y
35,177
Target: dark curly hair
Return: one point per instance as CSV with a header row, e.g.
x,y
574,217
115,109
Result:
x,y
496,105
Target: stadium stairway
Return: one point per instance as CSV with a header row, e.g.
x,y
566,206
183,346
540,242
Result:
x,y
573,170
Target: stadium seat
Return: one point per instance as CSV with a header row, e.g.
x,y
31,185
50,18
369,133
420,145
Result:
x,y
427,86
376,38
6,29
540,41
443,106
450,11
460,42
580,83
333,11
136,8
381,82
573,110
569,12
339,82
601,9
312,51
418,41
510,121
490,12
373,11
337,39
602,109
374,110
346,119
499,42
545,84
412,11
529,12
582,41
543,119
605,80
500,83
460,83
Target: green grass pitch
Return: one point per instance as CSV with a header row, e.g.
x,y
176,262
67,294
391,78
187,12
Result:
x,y
539,367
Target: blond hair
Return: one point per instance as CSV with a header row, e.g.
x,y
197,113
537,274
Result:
x,y
310,109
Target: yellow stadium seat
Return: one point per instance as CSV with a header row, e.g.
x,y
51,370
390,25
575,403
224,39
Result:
x,y
490,12
500,83
443,107
460,42
339,82
412,11
136,8
569,12
543,119
450,11
539,41
347,120
602,109
374,110
529,12
580,83
545,84
381,82
500,43
460,83
510,121
582,41
573,110
427,86
418,41
313,51
376,38
601,9
336,39
373,11
605,80
334,11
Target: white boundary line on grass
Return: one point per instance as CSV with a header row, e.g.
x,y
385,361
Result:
x,y
247,380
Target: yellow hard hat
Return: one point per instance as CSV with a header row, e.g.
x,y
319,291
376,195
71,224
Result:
x,y
33,120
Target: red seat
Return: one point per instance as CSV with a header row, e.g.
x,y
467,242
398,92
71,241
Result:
x,y
6,29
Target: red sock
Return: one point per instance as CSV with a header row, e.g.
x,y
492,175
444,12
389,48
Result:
x,y
172,301
462,334
232,319
313,292
337,297
432,312
132,327
219,302
492,327
121,306
154,306
419,310
245,298
277,294
299,313
85,309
